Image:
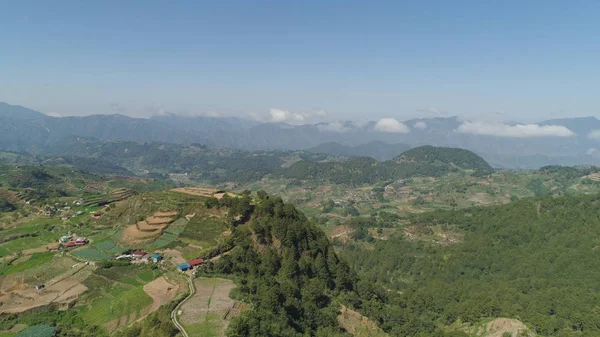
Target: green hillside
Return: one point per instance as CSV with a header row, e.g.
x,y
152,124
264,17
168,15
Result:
x,y
423,161
535,259
462,158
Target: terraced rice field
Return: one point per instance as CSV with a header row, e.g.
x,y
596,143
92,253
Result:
x,y
147,231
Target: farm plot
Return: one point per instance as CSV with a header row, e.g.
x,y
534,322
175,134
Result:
x,y
19,296
196,191
208,312
120,306
204,231
32,242
91,254
147,231
17,266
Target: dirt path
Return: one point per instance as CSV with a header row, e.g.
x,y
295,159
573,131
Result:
x,y
175,311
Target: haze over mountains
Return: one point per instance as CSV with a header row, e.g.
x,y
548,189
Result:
x,y
569,141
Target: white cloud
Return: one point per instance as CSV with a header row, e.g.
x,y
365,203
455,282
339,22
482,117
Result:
x,y
336,126
514,131
592,150
391,125
420,125
594,135
280,115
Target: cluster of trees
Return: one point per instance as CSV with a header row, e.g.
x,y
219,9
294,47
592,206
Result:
x,y
462,158
27,176
288,272
6,206
295,281
422,161
535,259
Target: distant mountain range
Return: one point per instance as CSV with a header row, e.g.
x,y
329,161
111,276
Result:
x,y
26,130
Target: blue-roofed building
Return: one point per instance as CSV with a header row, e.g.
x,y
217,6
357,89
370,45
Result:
x,y
184,266
156,258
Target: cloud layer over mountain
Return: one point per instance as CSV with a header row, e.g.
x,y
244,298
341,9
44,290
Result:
x,y
391,125
514,131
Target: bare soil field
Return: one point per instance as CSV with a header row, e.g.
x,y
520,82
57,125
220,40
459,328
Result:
x,y
159,219
166,214
148,230
208,312
161,291
358,325
174,255
499,326
18,296
197,191
341,232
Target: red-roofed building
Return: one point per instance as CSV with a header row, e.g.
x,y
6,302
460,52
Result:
x,y
138,253
195,262
70,244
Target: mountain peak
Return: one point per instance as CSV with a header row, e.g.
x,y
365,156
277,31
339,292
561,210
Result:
x,y
19,112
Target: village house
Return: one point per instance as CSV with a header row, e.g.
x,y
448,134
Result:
x,y
157,258
184,267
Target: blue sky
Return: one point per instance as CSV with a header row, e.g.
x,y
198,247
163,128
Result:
x,y
510,60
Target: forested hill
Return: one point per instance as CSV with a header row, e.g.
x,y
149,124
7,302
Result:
x,y
535,259
462,158
423,161
292,277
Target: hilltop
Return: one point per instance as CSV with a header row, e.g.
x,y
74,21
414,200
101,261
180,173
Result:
x,y
460,158
418,162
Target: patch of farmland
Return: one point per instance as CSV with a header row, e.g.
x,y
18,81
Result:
x,y
593,177
62,290
35,260
119,302
209,311
91,254
197,191
204,230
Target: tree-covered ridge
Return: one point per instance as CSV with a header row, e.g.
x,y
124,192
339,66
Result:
x,y
422,161
535,259
286,269
295,282
462,158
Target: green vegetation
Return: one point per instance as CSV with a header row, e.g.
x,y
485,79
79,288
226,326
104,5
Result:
x,y
421,161
121,301
157,324
528,259
410,252
35,260
62,323
91,254
41,330
432,155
